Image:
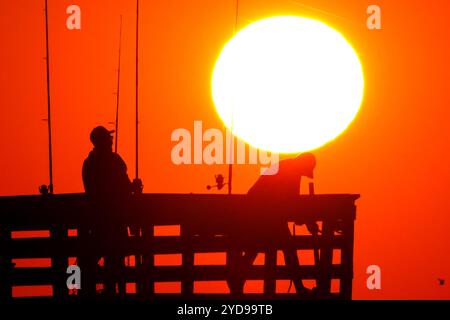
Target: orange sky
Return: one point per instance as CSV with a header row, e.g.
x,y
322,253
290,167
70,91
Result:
x,y
395,153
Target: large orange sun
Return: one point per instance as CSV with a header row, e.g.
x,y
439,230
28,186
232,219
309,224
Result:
x,y
287,84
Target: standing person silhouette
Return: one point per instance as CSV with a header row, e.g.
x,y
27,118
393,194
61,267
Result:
x,y
108,190
282,186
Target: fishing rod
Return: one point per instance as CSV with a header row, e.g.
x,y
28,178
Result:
x,y
137,182
44,189
118,87
231,151
137,90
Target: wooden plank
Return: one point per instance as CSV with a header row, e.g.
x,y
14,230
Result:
x,y
73,246
210,273
175,296
172,209
39,276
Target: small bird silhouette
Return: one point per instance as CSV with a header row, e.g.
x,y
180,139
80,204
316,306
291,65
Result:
x,y
441,281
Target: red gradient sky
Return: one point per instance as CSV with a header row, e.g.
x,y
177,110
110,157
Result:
x,y
395,154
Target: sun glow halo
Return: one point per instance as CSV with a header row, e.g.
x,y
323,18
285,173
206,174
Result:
x,y
287,84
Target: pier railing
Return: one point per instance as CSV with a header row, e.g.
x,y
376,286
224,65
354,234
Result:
x,y
41,235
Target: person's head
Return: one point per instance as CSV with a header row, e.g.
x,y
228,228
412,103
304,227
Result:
x,y
102,138
305,164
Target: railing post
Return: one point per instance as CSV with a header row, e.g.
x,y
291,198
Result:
x,y
326,259
187,285
59,262
87,261
6,267
270,264
348,230
147,269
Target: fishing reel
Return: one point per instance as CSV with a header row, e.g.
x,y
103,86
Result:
x,y
44,189
219,182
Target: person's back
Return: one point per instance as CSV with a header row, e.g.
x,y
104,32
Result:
x,y
286,182
105,176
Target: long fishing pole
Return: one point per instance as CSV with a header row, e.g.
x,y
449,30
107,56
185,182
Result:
x,y
118,87
231,151
49,122
137,89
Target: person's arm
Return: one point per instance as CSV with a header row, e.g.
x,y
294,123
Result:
x,y
132,187
122,174
86,178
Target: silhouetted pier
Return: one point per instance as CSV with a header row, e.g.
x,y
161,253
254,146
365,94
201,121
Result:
x,y
203,224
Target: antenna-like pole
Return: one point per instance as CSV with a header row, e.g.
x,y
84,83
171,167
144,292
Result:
x,y
137,89
231,151
118,87
49,122
237,16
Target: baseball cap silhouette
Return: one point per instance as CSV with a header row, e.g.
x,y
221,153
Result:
x,y
99,134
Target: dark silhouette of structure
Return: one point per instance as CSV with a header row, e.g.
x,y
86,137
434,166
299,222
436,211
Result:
x,y
80,228
198,233
84,227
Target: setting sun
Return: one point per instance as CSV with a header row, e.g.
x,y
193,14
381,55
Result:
x,y
287,84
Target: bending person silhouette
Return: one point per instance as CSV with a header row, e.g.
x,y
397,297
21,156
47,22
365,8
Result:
x,y
282,186
108,190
